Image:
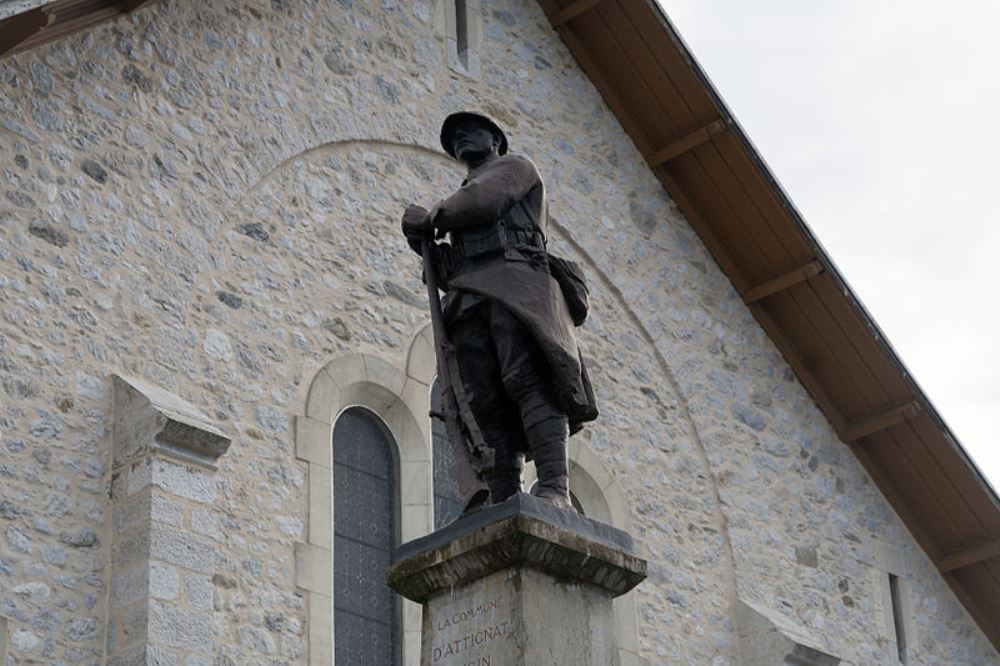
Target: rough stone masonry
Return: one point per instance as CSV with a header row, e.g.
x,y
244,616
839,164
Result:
x,y
192,196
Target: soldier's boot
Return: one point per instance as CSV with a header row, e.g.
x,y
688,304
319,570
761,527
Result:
x,y
546,429
550,461
507,480
506,477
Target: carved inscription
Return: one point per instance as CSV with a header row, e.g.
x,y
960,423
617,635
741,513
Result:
x,y
467,635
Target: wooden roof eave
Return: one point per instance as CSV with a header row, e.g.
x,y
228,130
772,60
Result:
x,y
823,258
36,23
875,431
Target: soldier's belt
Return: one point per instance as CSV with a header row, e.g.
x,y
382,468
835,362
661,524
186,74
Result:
x,y
496,239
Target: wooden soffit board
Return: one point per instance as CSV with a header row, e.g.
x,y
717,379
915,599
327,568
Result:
x,y
25,24
692,142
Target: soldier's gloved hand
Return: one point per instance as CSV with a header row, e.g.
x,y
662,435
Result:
x,y
441,233
416,226
416,220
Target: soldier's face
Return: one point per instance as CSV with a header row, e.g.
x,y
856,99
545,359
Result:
x,y
472,141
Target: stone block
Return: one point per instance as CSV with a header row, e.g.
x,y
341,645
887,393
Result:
x,y
118,486
313,568
375,396
140,475
182,549
164,581
350,370
314,441
412,613
626,658
324,397
165,511
416,483
159,656
416,520
131,549
129,586
22,642
203,521
256,640
198,591
131,511
421,364
320,501
82,629
178,627
133,656
135,424
767,637
321,621
53,554
132,624
626,619
412,641
406,418
184,481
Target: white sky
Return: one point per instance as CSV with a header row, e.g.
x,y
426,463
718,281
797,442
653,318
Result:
x,y
881,118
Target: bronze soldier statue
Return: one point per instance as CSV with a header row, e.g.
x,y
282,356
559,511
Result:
x,y
506,319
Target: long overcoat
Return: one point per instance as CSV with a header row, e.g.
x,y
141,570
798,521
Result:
x,y
508,192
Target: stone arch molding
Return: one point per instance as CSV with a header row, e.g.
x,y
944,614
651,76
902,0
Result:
x,y
280,164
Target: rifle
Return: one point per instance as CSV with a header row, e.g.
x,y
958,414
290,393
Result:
x,y
471,454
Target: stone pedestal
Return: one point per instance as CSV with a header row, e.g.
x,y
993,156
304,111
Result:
x,y
520,583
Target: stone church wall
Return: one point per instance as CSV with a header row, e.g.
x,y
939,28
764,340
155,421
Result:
x,y
206,196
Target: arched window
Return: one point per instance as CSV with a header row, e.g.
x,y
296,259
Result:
x,y
447,505
365,533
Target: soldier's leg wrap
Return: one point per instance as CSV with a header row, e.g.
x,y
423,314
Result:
x,y
507,476
546,429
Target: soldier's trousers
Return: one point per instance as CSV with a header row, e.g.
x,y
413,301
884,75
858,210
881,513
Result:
x,y
510,389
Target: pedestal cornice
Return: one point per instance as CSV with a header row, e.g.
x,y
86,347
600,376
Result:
x,y
522,531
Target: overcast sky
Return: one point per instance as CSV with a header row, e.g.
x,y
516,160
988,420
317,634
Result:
x,y
881,118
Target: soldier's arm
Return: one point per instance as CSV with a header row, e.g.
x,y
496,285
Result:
x,y
487,196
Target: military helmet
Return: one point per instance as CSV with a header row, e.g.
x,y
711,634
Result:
x,y
452,121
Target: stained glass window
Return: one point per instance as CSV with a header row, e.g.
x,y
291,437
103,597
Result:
x,y
366,615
